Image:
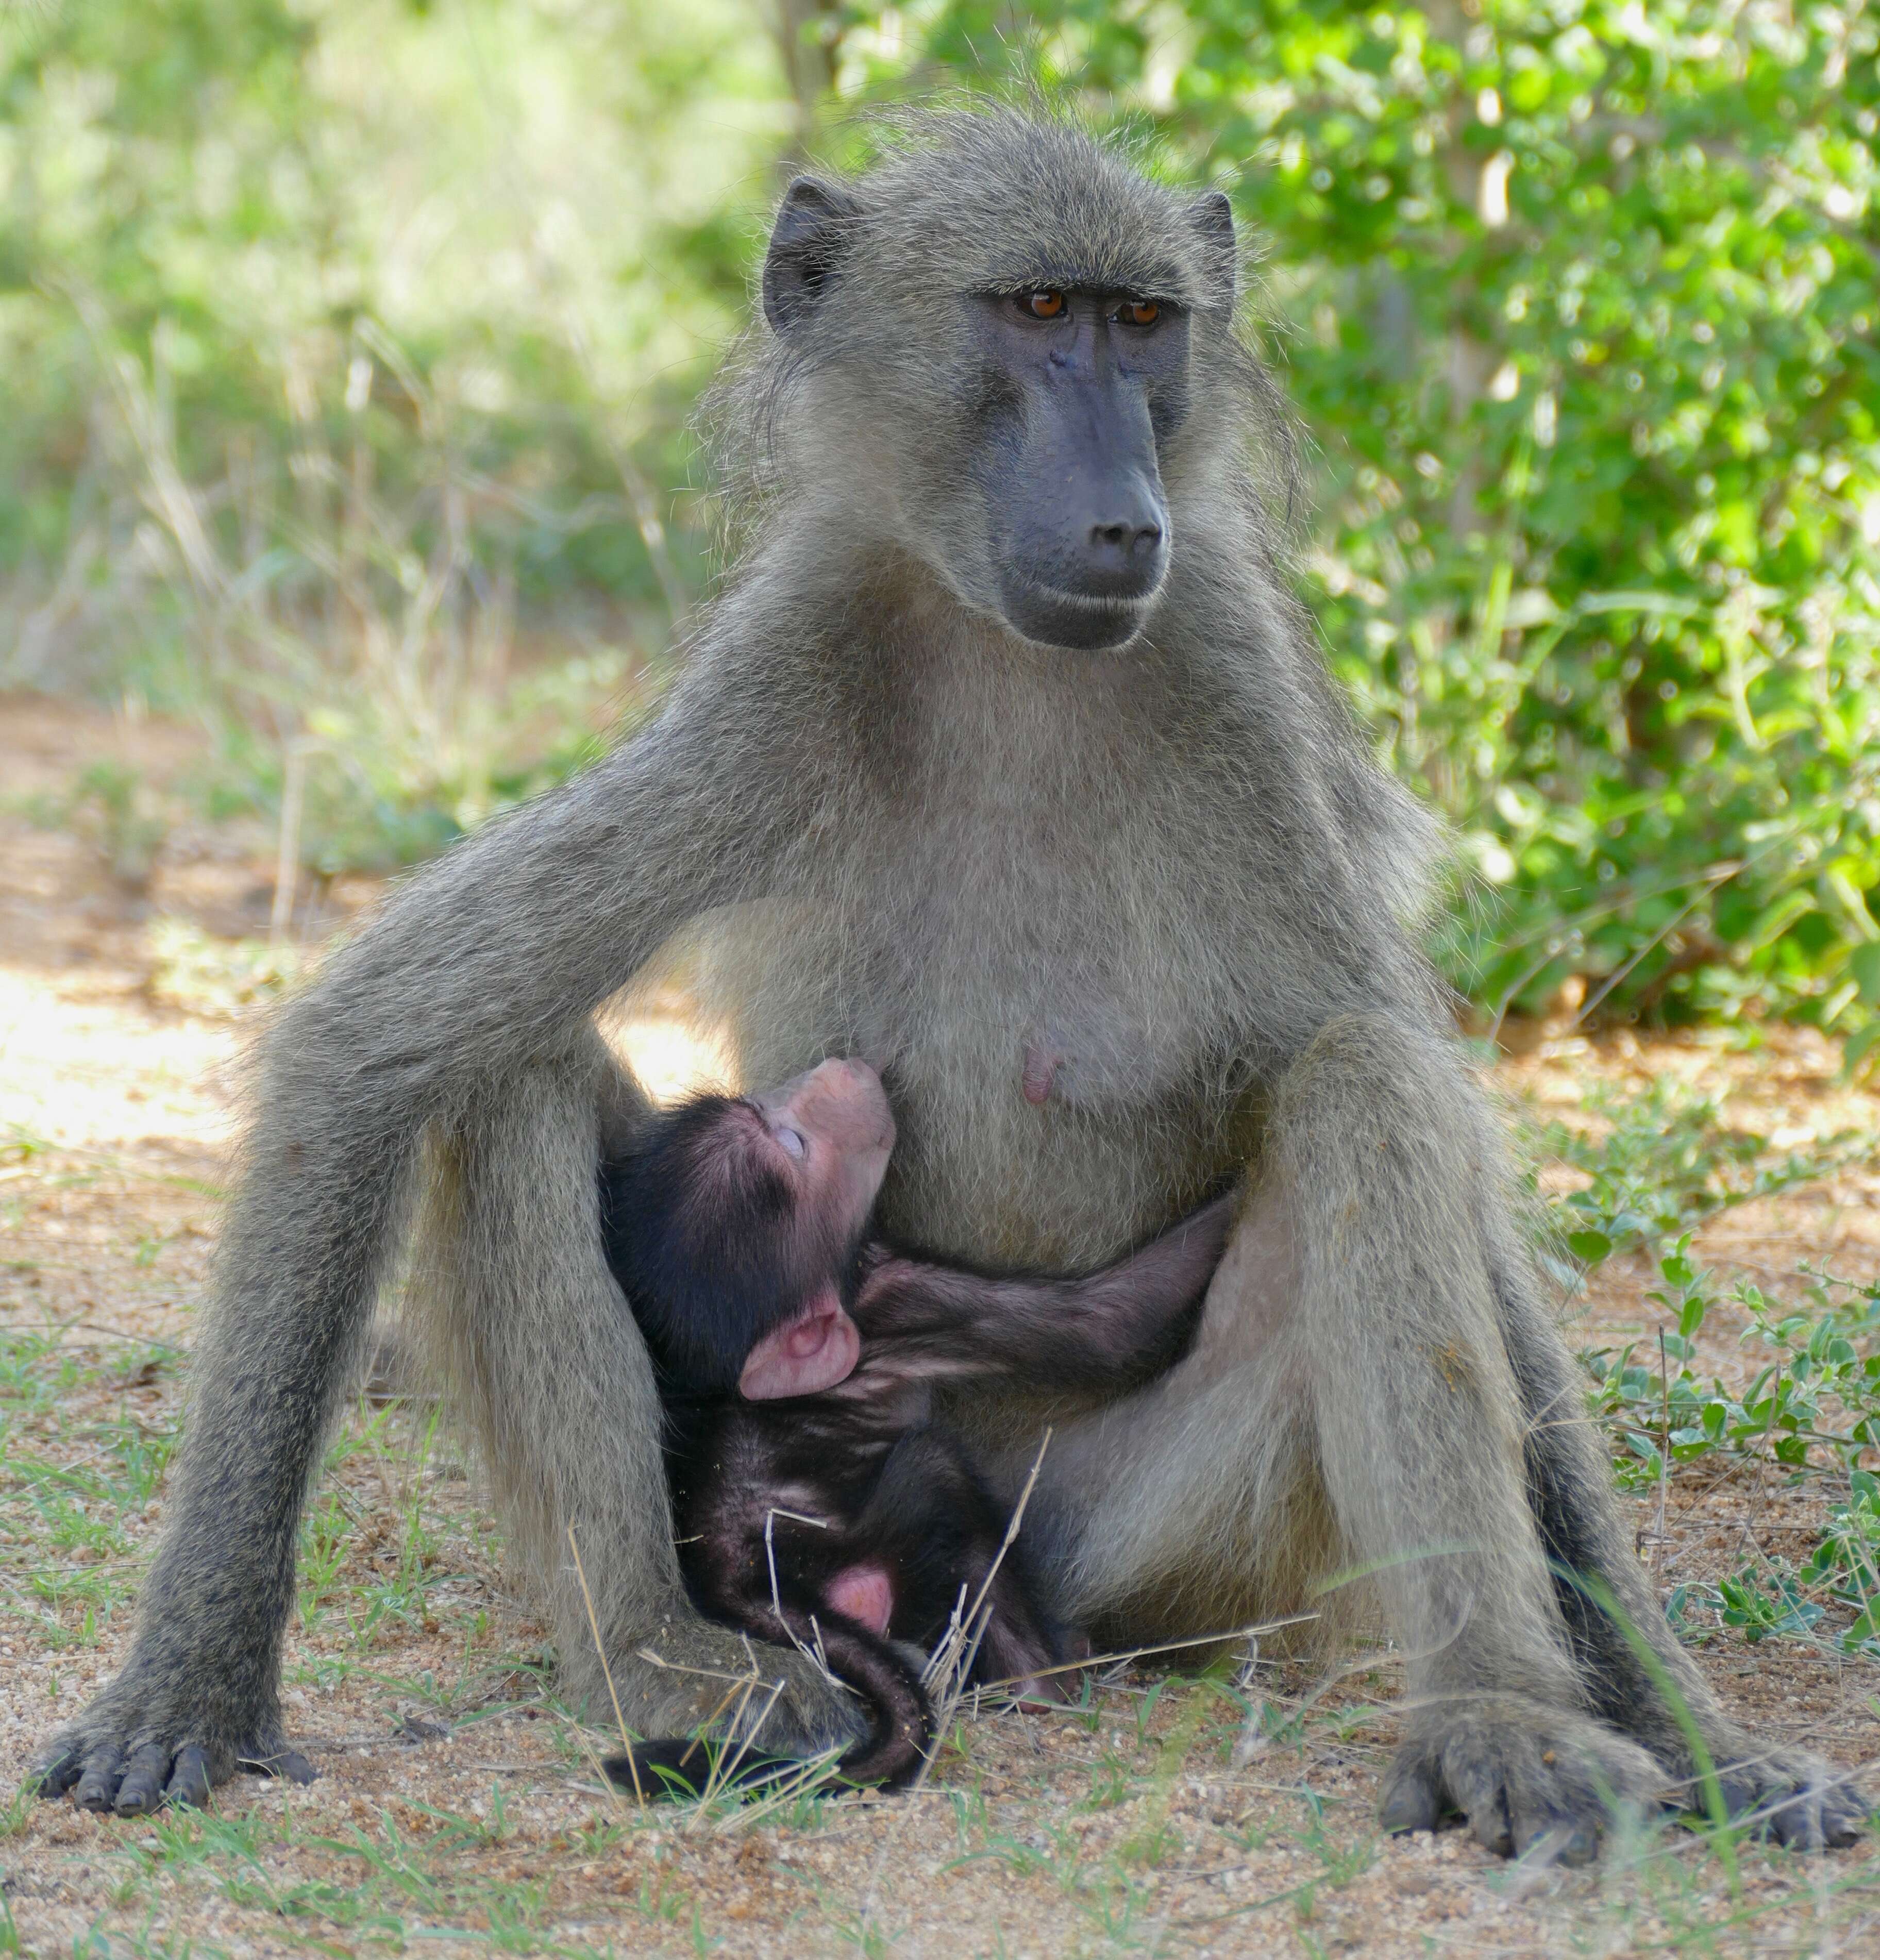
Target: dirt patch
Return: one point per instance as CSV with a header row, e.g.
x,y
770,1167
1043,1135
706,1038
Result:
x,y
457,1808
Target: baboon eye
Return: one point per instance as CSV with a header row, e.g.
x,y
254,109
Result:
x,y
1045,305
792,1141
1139,313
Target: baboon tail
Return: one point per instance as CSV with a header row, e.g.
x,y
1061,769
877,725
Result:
x,y
892,1753
678,1768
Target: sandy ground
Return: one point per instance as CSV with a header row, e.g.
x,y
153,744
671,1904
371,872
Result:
x,y
457,1809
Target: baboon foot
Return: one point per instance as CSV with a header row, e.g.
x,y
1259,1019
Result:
x,y
1787,1795
1527,1778
134,1749
693,1676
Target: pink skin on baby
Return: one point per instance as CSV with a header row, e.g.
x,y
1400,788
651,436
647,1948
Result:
x,y
863,1593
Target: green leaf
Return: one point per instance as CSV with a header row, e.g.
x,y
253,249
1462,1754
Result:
x,y
1864,964
1856,1050
1590,1246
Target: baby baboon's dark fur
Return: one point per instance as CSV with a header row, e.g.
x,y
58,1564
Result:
x,y
1117,904
848,1518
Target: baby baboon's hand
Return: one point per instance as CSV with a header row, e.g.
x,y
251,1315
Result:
x,y
1790,1795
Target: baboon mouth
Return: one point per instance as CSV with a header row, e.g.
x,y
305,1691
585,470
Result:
x,y
1081,621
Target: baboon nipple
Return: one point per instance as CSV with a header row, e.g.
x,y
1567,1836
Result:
x,y
1041,1064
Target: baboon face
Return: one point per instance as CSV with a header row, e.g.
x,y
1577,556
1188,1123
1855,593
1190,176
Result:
x,y
1079,386
733,1223
992,366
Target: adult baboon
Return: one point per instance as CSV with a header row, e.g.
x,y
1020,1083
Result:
x,y
1005,760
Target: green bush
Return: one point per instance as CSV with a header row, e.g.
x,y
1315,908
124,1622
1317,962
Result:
x,y
346,350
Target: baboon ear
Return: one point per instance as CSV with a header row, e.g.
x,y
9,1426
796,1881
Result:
x,y
1212,217
806,247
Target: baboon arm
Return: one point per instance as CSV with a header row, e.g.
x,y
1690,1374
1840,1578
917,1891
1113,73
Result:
x,y
1108,1331
478,974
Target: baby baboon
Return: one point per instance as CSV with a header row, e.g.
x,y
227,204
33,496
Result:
x,y
1005,758
816,1499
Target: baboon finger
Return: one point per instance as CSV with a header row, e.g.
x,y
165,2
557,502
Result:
x,y
103,1771
1489,1820
145,1776
1739,1793
190,1780
1844,1815
1478,1778
1582,1845
58,1774
289,1764
1412,1800
1797,1825
1544,1835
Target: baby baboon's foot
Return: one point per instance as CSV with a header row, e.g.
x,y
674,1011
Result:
x,y
1787,1794
132,1751
1527,1778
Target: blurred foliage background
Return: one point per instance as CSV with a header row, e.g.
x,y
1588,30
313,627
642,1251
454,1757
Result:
x,y
347,348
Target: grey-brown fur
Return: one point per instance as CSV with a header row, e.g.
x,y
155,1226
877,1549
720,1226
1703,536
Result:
x,y
898,830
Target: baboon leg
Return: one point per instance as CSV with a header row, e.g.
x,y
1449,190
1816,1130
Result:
x,y
931,1517
199,1696
1633,1672
1352,1342
556,1382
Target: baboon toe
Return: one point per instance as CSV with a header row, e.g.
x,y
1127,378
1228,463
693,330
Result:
x,y
103,1773
1413,1796
289,1764
131,1782
58,1769
125,1755
145,1777
1791,1797
1530,1782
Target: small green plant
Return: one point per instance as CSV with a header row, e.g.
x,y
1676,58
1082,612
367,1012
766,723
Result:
x,y
1815,1404
1846,1564
1811,1410
109,805
1667,1162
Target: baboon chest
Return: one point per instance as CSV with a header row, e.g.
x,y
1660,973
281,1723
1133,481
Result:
x,y
1049,974
1065,965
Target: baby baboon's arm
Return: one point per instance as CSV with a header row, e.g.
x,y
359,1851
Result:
x,y
1106,1332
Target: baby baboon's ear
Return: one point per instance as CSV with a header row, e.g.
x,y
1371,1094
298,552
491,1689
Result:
x,y
807,245
1212,217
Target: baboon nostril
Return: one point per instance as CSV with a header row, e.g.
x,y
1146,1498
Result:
x,y
1132,540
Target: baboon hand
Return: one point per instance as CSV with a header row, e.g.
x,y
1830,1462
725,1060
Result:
x,y
135,1748
1787,1795
1529,1779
